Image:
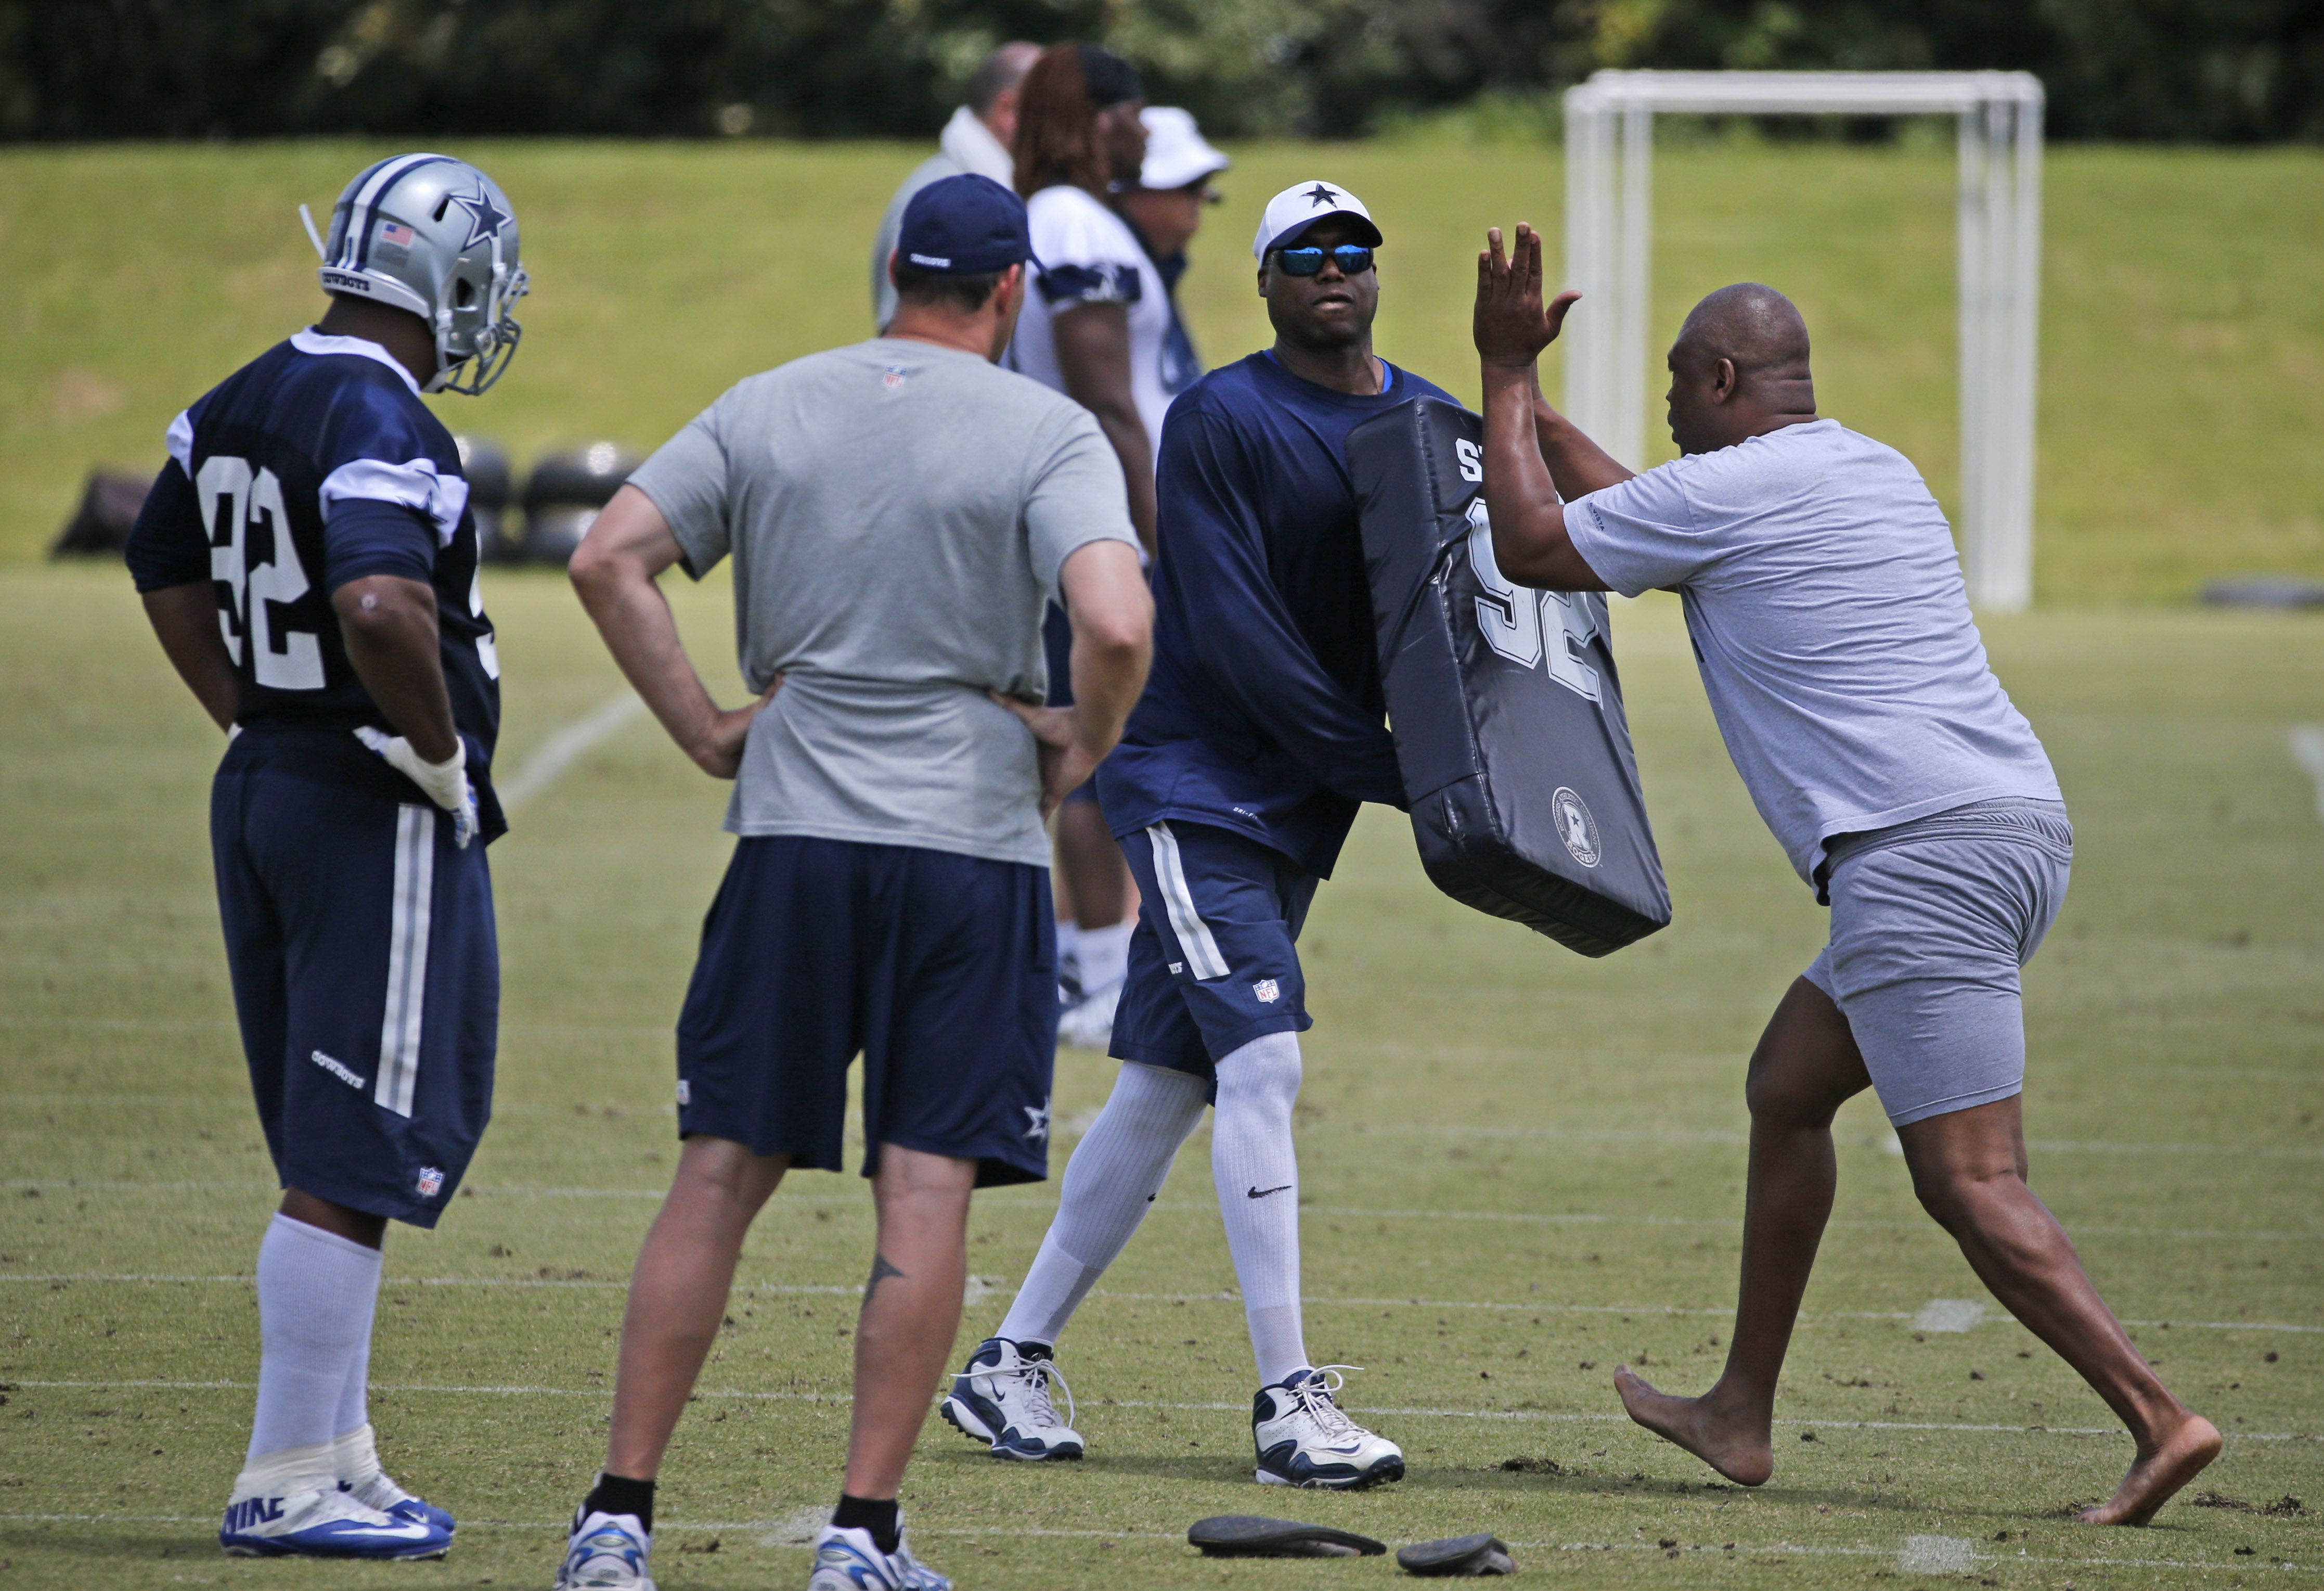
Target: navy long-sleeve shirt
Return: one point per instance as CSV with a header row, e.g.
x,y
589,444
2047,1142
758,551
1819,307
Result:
x,y
1263,713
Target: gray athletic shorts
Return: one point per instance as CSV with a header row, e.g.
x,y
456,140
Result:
x,y
1931,922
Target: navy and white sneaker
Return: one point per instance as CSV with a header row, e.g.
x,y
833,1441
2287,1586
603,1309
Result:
x,y
323,1522
851,1560
1002,1398
605,1552
357,1463
1304,1439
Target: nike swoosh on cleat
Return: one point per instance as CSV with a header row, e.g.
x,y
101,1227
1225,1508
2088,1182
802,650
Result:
x,y
1263,1192
410,1533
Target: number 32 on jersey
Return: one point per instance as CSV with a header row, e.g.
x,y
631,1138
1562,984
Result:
x,y
232,498
1523,625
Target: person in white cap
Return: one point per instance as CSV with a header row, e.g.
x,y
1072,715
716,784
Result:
x,y
1097,899
976,141
1235,783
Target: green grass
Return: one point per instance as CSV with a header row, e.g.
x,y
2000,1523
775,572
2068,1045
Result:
x,y
2183,365
1514,1161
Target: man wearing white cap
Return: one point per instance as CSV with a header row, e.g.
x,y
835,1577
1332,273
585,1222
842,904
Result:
x,y
1097,901
1235,783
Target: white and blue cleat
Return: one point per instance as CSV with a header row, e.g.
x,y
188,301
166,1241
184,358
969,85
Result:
x,y
325,1522
1305,1440
357,1463
607,1552
851,1560
1002,1400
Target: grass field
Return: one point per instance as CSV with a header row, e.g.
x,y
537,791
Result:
x,y
2182,362
1520,1167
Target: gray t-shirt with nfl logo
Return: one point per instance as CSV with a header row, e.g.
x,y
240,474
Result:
x,y
898,514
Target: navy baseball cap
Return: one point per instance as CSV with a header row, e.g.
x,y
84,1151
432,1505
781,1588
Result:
x,y
966,225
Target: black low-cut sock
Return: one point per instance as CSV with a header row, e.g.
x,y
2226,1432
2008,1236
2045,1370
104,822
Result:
x,y
877,1515
618,1493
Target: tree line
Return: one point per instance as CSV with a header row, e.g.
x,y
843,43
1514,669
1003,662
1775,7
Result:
x,y
2177,70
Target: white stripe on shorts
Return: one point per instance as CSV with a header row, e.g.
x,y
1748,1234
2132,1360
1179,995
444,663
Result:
x,y
1194,933
407,959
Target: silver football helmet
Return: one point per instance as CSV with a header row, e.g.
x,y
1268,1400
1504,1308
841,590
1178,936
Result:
x,y
434,235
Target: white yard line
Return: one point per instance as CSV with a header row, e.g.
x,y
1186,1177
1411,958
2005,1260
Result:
x,y
1940,1315
2308,751
780,1533
567,746
1520,1416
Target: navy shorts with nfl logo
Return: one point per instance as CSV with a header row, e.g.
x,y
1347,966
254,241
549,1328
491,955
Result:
x,y
940,969
1214,959
366,971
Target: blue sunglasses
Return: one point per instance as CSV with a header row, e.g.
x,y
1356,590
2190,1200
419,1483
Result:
x,y
1353,259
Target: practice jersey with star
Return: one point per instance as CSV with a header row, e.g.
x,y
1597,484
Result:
x,y
315,465
1263,713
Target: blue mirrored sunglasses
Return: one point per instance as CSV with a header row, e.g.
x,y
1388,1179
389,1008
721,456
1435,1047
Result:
x,y
1353,259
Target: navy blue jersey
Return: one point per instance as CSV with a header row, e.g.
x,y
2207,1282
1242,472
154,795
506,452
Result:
x,y
1263,713
314,465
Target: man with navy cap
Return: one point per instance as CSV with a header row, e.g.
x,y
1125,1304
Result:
x,y
898,512
1236,782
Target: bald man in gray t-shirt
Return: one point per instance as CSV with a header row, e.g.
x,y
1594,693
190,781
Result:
x,y
1836,644
898,513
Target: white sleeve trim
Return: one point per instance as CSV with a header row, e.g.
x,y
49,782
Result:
x,y
180,442
415,486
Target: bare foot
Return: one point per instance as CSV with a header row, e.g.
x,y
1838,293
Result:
x,y
2155,1475
1737,1448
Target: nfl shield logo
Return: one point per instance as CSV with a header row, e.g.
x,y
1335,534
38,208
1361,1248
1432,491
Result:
x,y
1268,991
431,1181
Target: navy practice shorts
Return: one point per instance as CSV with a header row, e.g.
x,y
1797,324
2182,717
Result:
x,y
365,972
940,969
1213,961
1058,641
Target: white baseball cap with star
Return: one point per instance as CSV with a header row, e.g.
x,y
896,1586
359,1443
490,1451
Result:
x,y
1299,207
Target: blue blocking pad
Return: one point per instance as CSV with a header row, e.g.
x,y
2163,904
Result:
x,y
1504,701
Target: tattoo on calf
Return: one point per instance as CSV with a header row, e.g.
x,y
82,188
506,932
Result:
x,y
881,1271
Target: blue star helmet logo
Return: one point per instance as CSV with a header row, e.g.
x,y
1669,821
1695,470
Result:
x,y
1319,195
484,216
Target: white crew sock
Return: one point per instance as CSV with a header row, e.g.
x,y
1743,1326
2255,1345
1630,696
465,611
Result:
x,y
316,1294
1258,1176
1112,1177
1104,955
1069,941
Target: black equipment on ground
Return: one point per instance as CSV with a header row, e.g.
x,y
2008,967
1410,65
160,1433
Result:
x,y
490,484
1507,709
565,492
100,524
1460,1555
1243,1535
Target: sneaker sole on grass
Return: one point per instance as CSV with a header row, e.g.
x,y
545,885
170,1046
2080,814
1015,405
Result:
x,y
1458,1554
965,1419
1243,1535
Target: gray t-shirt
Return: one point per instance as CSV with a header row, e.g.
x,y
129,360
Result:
x,y
1831,627
898,514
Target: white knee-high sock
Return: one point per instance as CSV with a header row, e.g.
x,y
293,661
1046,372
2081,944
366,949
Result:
x,y
1258,1176
1113,1175
315,1295
354,1398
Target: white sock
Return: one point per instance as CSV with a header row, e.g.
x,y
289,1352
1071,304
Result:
x,y
1069,939
1109,1181
353,1417
1258,1176
1105,955
315,1295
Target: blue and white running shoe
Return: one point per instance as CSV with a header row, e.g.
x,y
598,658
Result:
x,y
605,1552
1304,1439
324,1521
1002,1398
851,1560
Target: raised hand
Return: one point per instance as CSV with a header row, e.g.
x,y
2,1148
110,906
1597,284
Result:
x,y
1511,327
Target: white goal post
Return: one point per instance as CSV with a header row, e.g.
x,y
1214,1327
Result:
x,y
1609,249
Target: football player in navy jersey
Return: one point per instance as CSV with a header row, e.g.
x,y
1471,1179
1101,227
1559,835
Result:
x,y
309,562
1237,779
